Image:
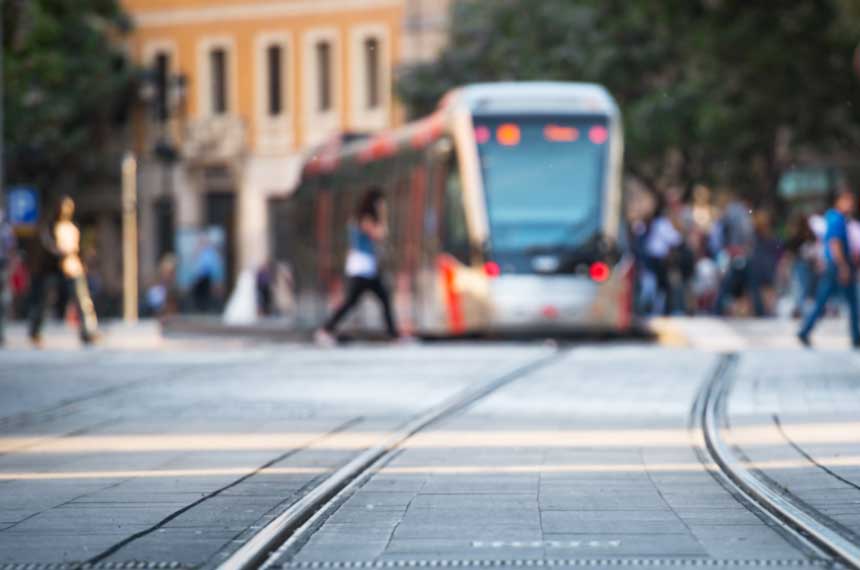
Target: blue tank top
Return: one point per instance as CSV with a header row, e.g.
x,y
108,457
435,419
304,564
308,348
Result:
x,y
361,261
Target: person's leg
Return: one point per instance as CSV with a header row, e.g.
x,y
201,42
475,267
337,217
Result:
x,y
207,295
355,289
826,287
850,293
86,308
724,291
647,291
201,293
802,285
37,305
754,287
379,289
3,281
196,294
660,301
57,283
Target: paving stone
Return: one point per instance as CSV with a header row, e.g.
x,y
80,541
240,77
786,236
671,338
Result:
x,y
608,497
627,511
166,394
807,396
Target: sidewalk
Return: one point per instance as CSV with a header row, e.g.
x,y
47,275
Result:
x,y
115,335
269,329
726,335
795,415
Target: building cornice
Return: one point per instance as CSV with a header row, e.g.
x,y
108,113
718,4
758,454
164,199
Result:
x,y
254,11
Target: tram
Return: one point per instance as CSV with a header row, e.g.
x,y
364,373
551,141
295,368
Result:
x,y
504,216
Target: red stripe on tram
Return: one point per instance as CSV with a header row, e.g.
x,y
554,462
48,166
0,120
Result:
x,y
453,301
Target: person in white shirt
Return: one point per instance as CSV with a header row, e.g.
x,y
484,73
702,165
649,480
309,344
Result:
x,y
655,236
368,229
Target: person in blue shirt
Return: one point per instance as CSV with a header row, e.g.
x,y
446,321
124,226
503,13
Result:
x,y
208,274
840,274
362,265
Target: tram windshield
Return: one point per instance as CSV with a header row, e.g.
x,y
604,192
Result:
x,y
543,177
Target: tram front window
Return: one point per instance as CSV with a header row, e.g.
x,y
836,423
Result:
x,y
543,178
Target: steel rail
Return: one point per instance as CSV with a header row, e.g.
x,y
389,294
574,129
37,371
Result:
x,y
776,504
254,553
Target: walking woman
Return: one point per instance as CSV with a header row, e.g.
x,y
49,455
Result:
x,y
59,262
368,229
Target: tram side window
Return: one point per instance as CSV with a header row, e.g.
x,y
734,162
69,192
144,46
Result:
x,y
397,219
455,236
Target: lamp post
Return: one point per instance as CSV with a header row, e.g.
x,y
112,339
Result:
x,y
129,238
149,95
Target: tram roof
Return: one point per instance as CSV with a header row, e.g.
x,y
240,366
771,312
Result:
x,y
536,97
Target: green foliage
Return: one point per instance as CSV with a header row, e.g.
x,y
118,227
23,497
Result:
x,y
714,91
67,87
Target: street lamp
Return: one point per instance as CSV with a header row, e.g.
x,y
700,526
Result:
x,y
161,104
129,238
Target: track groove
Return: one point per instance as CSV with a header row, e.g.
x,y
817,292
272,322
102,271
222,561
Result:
x,y
778,504
290,525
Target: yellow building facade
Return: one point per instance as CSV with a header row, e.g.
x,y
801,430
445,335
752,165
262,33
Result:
x,y
238,91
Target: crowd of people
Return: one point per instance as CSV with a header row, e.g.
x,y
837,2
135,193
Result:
x,y
718,254
712,254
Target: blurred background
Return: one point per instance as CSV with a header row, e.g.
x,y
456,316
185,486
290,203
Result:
x,y
212,106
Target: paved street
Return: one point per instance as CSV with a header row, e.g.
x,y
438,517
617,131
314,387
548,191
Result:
x,y
800,425
182,452
581,460
176,455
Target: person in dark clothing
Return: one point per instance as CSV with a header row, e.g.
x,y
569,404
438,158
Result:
x,y
44,275
57,264
840,273
362,265
7,250
208,275
802,245
265,283
736,242
764,261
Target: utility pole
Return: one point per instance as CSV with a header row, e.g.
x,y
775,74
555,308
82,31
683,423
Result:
x,y
2,127
129,238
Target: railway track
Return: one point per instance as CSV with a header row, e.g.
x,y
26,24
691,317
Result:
x,y
293,526
811,530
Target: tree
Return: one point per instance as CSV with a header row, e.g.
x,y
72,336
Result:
x,y
714,91
67,88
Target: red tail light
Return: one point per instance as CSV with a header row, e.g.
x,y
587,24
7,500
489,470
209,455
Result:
x,y
599,271
492,269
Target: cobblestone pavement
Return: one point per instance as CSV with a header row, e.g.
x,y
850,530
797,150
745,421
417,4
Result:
x,y
179,455
585,461
798,423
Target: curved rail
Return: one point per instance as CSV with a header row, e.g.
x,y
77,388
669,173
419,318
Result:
x,y
778,505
